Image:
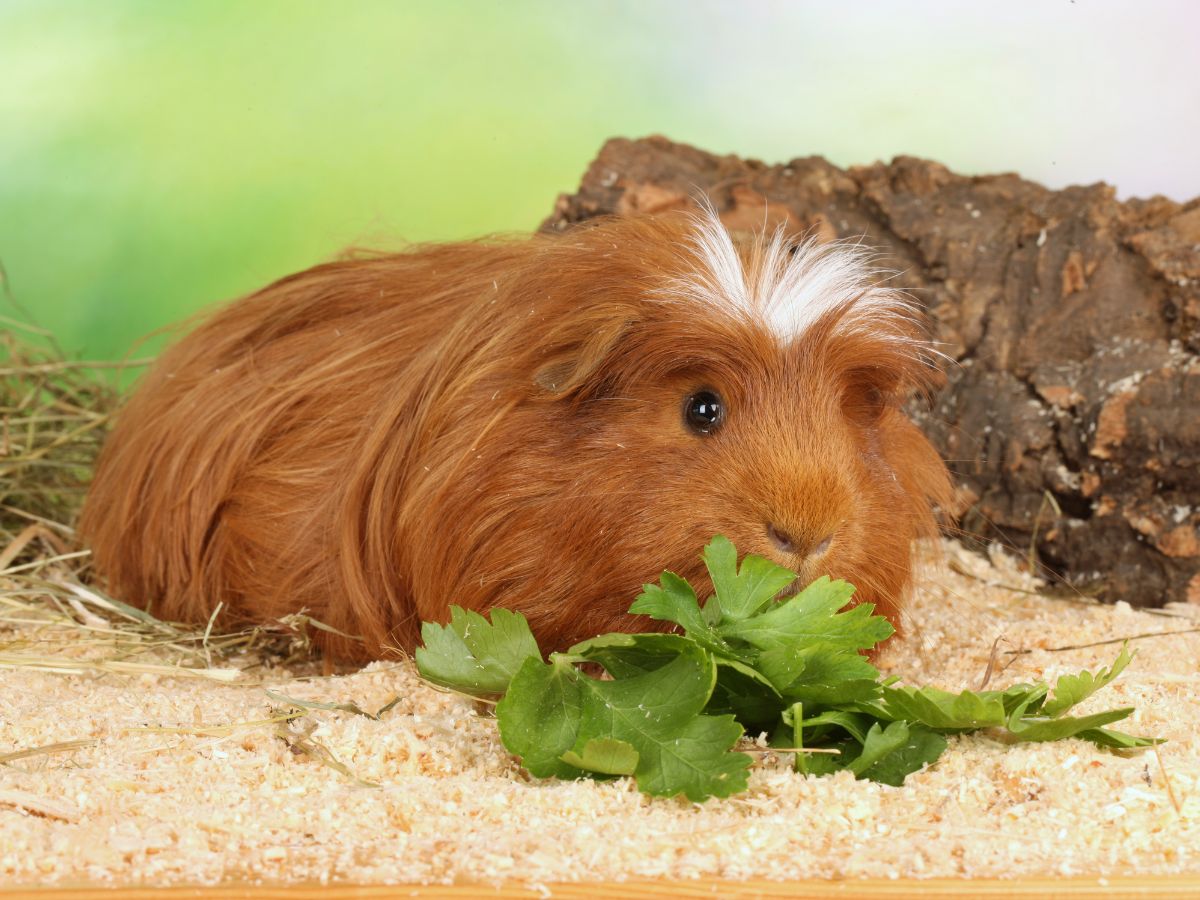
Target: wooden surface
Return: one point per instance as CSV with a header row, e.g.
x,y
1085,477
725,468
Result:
x,y
1073,888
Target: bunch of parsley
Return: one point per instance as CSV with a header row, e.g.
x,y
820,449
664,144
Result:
x,y
675,704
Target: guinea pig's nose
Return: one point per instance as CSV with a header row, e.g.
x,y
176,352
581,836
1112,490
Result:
x,y
781,539
788,544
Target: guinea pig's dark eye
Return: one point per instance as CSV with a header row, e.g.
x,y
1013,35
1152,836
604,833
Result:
x,y
703,411
865,403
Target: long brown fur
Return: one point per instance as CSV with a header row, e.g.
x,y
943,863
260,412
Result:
x,y
501,424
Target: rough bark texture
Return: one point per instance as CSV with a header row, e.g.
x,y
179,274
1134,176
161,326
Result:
x,y
1072,416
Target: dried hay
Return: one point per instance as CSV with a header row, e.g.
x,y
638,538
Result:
x,y
53,418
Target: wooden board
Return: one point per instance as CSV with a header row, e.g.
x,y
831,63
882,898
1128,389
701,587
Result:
x,y
1183,886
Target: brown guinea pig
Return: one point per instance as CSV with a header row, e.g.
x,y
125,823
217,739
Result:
x,y
540,424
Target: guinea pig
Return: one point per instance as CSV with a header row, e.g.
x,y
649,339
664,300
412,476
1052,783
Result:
x,y
541,424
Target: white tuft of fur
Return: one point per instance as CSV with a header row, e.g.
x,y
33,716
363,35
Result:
x,y
791,286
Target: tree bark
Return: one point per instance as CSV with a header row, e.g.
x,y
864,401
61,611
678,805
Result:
x,y
1071,417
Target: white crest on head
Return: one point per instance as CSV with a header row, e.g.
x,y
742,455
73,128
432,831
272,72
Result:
x,y
790,286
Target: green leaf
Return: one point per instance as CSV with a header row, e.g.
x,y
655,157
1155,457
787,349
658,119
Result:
x,y
897,760
720,558
607,756
744,693
1072,689
820,674
627,655
1028,696
1116,740
946,711
680,751
888,754
808,763
812,616
673,600
473,655
698,763
793,716
539,717
817,764
854,724
878,744
742,593
1039,729
847,693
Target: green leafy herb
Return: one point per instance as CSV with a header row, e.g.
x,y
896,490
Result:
x,y
673,706
473,655
1072,689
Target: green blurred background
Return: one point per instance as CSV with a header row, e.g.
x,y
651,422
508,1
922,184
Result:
x,y
158,157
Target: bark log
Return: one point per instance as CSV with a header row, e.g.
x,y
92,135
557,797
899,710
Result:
x,y
1071,418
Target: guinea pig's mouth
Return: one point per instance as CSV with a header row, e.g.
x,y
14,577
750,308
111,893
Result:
x,y
791,590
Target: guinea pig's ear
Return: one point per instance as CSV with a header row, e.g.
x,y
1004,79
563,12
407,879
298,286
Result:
x,y
580,368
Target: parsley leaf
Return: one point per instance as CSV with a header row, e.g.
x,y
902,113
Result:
x,y
473,655
539,717
608,756
659,715
1116,740
671,706
943,710
891,755
818,674
1041,729
625,655
740,593
673,600
1072,689
647,723
812,617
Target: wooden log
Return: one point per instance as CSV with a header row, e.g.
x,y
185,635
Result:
x,y
1071,416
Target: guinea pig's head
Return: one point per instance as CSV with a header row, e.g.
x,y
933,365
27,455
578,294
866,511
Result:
x,y
674,382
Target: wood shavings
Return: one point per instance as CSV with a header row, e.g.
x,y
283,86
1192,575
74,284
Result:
x,y
184,781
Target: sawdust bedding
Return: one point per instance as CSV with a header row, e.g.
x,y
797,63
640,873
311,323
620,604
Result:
x,y
186,780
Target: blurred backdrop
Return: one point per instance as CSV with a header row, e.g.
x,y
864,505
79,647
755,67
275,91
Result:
x,y
156,158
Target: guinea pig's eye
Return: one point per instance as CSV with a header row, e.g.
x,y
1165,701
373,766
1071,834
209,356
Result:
x,y
865,402
703,411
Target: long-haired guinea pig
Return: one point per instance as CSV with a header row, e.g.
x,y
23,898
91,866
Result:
x,y
541,424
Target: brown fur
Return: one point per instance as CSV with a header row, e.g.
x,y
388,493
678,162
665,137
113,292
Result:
x,y
498,424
